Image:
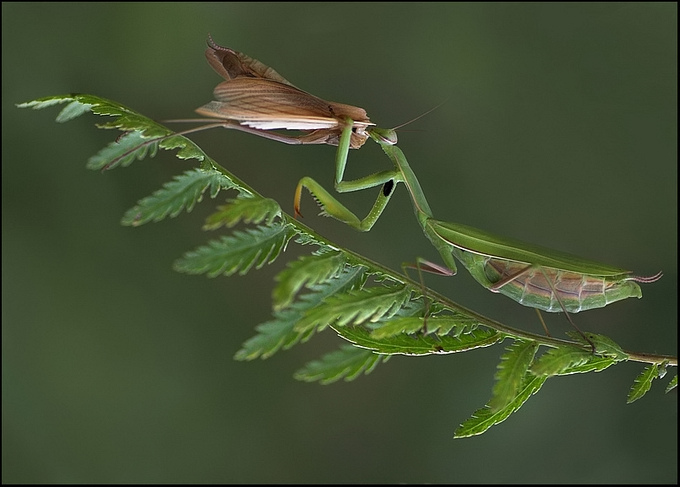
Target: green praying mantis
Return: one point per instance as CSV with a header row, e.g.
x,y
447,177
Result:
x,y
533,276
256,99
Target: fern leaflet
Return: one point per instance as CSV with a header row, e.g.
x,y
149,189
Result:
x,y
512,371
247,208
643,383
305,271
180,194
237,253
346,363
281,332
486,417
356,307
419,344
454,324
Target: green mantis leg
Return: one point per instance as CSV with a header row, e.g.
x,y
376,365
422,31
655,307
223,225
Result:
x,y
420,205
332,207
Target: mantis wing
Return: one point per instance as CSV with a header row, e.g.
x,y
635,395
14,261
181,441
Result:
x,y
232,64
487,244
537,276
268,105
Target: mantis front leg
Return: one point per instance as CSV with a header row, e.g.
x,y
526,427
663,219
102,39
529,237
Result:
x,y
332,207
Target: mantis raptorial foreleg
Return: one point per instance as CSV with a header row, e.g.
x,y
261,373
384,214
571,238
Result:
x,y
332,207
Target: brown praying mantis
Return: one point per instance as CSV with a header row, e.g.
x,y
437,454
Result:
x,y
256,99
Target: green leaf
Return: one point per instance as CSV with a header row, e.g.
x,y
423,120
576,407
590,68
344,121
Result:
x,y
604,345
46,102
512,370
305,271
246,208
593,364
180,194
238,252
281,332
123,152
272,336
356,306
672,384
73,110
569,359
486,417
643,383
188,149
454,324
419,344
404,324
557,360
347,363
607,347
77,105
150,134
126,120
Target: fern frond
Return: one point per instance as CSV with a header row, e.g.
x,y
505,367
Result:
x,y
355,307
237,253
643,383
180,194
281,332
305,271
604,345
247,208
71,111
486,417
272,336
404,324
126,119
512,370
149,133
454,324
594,363
124,151
557,360
567,359
347,363
419,344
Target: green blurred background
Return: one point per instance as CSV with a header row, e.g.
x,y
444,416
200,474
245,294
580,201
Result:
x,y
559,127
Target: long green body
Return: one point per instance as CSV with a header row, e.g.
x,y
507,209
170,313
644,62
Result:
x,y
541,272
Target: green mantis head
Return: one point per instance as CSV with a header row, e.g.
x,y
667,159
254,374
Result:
x,y
383,136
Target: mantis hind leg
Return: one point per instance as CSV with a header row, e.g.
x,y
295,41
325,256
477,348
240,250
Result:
x,y
540,318
421,266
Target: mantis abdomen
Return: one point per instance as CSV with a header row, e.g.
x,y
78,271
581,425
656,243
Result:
x,y
544,287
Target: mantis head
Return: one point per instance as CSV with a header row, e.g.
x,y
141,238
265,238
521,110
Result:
x,y
383,136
